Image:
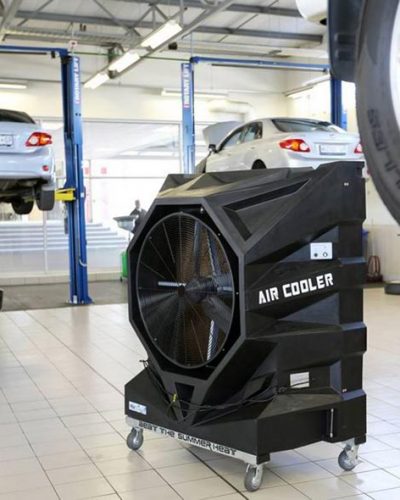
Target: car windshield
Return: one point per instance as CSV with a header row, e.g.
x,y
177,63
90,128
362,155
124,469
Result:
x,y
299,125
7,115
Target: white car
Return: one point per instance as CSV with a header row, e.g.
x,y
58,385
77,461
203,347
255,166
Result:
x,y
282,142
27,166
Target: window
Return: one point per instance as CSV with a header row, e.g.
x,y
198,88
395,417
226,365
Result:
x,y
232,140
252,132
302,125
7,115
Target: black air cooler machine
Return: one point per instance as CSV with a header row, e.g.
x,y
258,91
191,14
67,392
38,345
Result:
x,y
245,289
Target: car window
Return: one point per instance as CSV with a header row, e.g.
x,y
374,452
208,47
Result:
x,y
301,125
7,115
232,140
252,132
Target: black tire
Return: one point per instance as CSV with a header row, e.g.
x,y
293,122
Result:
x,y
345,462
252,481
45,200
22,207
258,165
134,439
380,134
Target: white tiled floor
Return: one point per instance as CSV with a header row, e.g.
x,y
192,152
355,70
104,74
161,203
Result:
x,y
62,429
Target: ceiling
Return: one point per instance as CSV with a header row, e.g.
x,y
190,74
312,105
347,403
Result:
x,y
241,27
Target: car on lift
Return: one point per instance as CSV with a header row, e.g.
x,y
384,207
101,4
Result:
x,y
281,142
27,165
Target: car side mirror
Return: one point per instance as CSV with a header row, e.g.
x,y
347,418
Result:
x,y
212,148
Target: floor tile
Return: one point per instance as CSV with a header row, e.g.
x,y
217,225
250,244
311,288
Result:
x,y
202,489
23,466
276,493
73,474
168,458
60,460
383,459
46,493
132,463
136,481
326,489
32,480
83,489
302,472
393,494
186,472
371,481
157,493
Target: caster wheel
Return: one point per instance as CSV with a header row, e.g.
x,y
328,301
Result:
x,y
253,477
135,439
345,462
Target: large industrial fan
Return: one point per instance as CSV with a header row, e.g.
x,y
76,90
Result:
x,y
245,288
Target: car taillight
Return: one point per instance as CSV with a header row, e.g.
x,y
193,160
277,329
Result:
x,y
39,139
297,145
358,149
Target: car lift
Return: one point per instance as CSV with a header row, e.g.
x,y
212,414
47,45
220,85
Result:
x,y
187,83
74,190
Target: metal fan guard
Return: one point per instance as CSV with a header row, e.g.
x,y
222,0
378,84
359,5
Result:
x,y
193,296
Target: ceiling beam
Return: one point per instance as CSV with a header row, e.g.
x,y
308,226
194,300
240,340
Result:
x,y
214,30
8,16
235,7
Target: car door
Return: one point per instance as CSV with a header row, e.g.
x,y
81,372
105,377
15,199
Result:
x,y
249,145
225,157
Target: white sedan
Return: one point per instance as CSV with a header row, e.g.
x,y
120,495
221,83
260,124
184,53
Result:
x,y
27,166
282,142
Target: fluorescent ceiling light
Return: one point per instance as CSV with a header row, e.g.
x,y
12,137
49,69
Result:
x,y
96,81
315,81
204,95
162,34
124,61
16,85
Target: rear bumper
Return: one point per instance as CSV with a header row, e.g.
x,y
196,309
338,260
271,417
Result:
x,y
27,166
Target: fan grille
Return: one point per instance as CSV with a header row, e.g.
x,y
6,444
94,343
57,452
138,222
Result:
x,y
185,290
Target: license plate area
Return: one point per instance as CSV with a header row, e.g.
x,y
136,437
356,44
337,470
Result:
x,y
332,149
6,140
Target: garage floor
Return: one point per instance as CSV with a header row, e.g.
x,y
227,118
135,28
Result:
x,y
62,429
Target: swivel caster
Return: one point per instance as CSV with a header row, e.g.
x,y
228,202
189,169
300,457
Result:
x,y
253,477
348,457
134,439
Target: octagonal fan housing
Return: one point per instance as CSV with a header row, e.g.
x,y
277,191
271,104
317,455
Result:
x,y
242,284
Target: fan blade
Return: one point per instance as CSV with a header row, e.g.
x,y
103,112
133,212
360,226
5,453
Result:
x,y
224,283
217,311
197,249
213,254
212,340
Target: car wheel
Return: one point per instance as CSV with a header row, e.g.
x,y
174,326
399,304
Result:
x,y
258,164
378,98
45,199
22,207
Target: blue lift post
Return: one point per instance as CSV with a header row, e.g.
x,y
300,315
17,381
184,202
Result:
x,y
72,102
71,96
188,119
187,77
337,115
